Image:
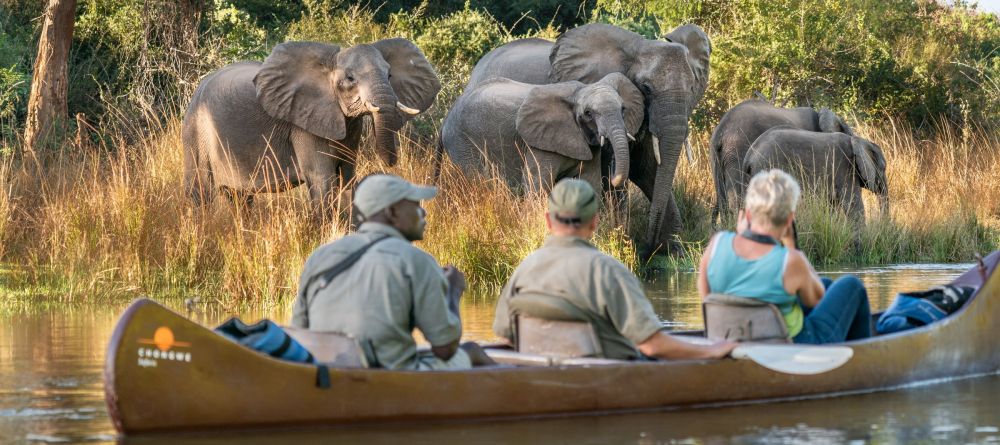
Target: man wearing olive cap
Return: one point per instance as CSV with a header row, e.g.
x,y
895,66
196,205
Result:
x,y
390,286
567,266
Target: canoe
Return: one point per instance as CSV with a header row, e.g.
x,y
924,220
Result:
x,y
166,373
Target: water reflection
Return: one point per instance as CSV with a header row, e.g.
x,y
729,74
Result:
x,y
51,390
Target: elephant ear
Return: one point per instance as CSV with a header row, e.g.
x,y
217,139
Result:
x,y
294,85
699,52
588,53
632,100
869,162
546,121
829,122
411,75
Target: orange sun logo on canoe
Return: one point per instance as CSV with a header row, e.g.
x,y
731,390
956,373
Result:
x,y
164,339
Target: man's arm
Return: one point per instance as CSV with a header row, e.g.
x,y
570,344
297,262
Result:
x,y
435,311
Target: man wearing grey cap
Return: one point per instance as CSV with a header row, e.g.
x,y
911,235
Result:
x,y
567,266
376,286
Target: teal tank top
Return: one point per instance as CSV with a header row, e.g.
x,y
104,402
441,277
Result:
x,y
761,279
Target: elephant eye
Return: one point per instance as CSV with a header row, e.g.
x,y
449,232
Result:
x,y
350,78
646,88
588,113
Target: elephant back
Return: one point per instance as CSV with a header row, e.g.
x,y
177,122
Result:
x,y
523,60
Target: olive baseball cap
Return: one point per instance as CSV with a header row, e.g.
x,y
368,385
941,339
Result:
x,y
573,201
376,192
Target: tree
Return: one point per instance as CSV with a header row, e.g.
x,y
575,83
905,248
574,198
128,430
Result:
x,y
47,108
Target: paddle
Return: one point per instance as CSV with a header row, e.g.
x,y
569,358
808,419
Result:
x,y
787,358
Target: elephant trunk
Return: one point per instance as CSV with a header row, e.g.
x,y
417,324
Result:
x,y
614,127
669,129
883,203
387,122
735,175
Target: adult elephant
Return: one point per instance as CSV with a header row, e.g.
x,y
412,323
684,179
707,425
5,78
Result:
x,y
298,117
835,164
671,74
535,135
740,127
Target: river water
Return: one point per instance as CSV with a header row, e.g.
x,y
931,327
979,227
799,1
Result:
x,y
51,358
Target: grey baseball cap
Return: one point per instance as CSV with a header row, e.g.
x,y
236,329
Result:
x,y
573,199
376,192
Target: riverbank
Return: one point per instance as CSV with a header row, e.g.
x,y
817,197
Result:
x,y
108,222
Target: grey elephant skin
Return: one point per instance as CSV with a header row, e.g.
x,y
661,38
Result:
x,y
740,127
835,164
535,135
671,74
298,117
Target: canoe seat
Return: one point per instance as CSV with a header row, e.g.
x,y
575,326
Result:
x,y
729,317
334,349
552,327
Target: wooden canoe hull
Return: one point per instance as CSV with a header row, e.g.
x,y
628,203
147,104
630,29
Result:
x,y
193,379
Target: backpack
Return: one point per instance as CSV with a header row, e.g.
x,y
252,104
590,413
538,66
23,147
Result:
x,y
914,309
266,337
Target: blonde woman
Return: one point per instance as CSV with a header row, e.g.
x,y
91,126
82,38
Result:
x,y
760,261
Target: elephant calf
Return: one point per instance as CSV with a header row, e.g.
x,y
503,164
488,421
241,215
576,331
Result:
x,y
740,127
535,135
297,117
835,163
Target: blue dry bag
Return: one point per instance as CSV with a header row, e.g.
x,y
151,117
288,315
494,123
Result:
x,y
267,337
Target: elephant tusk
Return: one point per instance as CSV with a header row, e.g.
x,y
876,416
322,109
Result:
x,y
371,107
602,140
406,109
617,180
688,151
630,137
656,149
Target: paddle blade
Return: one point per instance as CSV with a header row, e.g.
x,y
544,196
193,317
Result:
x,y
795,359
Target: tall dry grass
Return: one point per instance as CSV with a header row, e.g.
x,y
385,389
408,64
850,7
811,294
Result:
x,y
107,222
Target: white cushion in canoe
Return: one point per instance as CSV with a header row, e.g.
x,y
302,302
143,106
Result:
x,y
557,338
734,318
333,349
509,357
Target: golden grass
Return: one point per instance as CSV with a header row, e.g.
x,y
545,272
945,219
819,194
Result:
x,y
98,223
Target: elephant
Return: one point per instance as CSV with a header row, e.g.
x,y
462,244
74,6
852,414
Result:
x,y
537,134
837,164
671,74
298,117
740,127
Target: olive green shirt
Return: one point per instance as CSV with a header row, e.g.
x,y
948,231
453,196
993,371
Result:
x,y
572,268
392,289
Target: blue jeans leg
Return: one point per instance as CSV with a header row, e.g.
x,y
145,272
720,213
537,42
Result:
x,y
842,314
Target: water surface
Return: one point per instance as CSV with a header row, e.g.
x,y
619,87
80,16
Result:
x,y
51,391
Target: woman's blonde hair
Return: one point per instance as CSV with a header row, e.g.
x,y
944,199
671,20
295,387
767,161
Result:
x,y
772,195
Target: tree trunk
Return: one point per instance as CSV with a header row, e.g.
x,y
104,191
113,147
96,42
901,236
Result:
x,y
47,108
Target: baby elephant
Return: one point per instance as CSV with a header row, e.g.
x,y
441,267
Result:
x,y
836,163
535,135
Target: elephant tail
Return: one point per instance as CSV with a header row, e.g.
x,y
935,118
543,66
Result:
x,y
438,158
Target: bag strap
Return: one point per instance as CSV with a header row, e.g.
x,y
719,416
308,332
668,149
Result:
x,y
327,275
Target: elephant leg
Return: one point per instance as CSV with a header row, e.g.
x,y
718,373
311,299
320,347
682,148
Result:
x,y
198,182
318,162
541,170
590,171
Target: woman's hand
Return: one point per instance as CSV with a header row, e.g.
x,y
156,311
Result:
x,y
788,237
742,223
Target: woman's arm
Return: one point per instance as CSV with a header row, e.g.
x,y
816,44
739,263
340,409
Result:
x,y
802,280
706,257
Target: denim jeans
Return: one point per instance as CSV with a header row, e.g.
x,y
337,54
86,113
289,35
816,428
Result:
x,y
842,314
